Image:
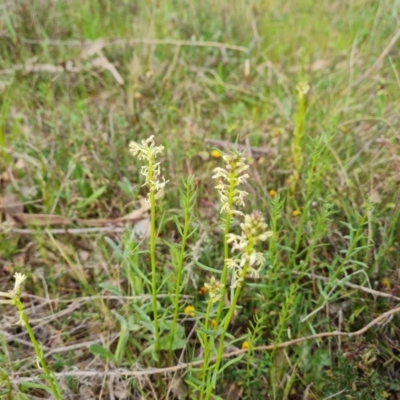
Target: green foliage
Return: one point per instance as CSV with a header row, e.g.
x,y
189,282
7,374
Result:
x,y
323,172
356,379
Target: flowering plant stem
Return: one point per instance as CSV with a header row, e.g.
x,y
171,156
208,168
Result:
x,y
298,134
227,321
55,388
224,274
207,349
230,196
153,237
148,151
186,224
229,178
224,277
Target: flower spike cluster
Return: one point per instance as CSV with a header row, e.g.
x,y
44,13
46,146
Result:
x,y
302,89
214,288
14,293
230,178
148,151
12,296
254,230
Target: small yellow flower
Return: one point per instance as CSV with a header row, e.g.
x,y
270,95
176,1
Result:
x,y
272,193
385,283
295,213
245,345
212,323
216,154
189,310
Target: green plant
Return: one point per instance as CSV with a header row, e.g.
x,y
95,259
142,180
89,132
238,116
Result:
x,y
250,261
148,152
323,171
13,297
178,253
298,134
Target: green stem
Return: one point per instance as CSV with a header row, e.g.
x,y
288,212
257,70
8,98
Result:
x,y
297,139
276,212
153,235
39,353
224,275
228,319
206,349
180,266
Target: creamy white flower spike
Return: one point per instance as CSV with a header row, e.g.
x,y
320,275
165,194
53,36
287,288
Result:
x,y
145,150
230,178
14,293
254,230
19,280
148,151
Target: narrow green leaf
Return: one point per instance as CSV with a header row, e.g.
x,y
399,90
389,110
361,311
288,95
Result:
x,y
99,350
85,202
202,266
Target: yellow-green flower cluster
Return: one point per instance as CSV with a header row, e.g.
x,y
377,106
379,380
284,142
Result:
x,y
254,230
148,151
302,89
230,178
214,288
